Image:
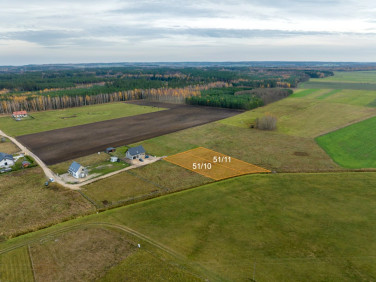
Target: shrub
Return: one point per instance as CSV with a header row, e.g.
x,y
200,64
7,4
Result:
x,y
267,122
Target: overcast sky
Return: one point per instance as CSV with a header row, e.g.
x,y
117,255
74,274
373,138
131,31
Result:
x,y
81,31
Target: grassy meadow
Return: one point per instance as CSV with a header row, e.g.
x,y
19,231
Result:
x,y
313,114
353,80
79,255
27,205
145,182
353,146
276,227
350,77
49,120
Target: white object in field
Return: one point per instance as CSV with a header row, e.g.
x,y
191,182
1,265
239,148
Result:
x,y
52,180
138,245
99,153
113,159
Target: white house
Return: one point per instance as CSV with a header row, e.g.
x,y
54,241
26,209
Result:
x,y
6,160
77,170
19,114
135,153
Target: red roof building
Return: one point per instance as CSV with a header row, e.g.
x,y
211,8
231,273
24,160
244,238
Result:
x,y
20,114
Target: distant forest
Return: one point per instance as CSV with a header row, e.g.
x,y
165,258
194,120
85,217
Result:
x,y
37,90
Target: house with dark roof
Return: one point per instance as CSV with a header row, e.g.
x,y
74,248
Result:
x,y
77,170
135,153
6,160
110,150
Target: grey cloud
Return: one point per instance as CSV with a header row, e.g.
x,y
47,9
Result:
x,y
103,35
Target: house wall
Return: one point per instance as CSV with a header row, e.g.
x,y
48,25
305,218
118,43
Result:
x,y
7,162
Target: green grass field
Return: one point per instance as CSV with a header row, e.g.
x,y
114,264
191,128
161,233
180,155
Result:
x,y
306,117
353,146
351,76
149,181
355,80
277,227
49,120
16,266
146,266
338,85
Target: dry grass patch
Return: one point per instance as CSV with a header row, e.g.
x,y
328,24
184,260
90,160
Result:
x,y
213,164
27,205
8,147
120,187
79,255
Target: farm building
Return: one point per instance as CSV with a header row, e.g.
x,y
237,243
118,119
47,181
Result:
x,y
110,150
77,170
19,114
6,160
135,153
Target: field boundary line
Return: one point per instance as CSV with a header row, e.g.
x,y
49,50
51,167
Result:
x,y
31,262
182,258
346,125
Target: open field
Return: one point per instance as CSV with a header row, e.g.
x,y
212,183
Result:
x,y
213,164
278,227
79,255
308,117
338,85
353,146
26,204
16,266
8,147
142,183
350,76
55,119
146,266
358,80
283,223
270,150
64,144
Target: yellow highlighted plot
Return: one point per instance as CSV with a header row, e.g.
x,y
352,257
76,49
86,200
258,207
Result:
x,y
213,164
